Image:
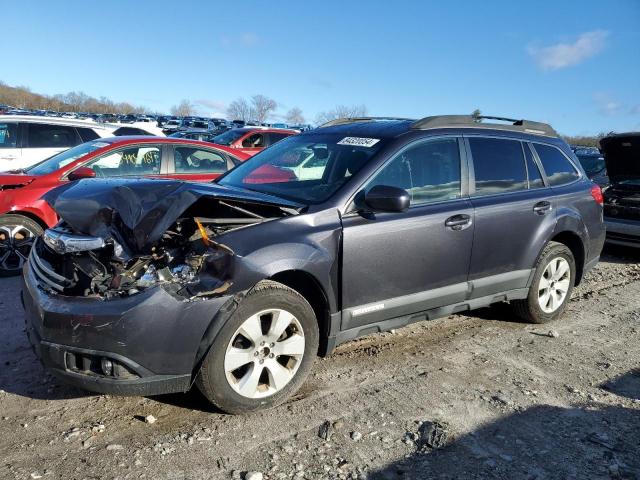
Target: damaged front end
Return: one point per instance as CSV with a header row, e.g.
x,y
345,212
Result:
x,y
118,240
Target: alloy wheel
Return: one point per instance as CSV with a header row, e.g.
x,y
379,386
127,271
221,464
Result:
x,y
554,284
264,354
15,244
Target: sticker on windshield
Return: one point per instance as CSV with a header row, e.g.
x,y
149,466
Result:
x,y
359,141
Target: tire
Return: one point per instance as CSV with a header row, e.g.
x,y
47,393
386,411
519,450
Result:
x,y
243,355
537,307
17,234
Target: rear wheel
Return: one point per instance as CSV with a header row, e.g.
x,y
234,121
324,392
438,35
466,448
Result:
x,y
552,285
263,353
17,234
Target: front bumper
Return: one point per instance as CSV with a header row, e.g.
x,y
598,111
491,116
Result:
x,y
623,232
153,336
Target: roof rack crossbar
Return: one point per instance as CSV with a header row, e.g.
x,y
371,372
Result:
x,y
520,125
347,120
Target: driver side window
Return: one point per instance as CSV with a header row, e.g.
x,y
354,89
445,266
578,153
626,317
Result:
x,y
132,161
429,171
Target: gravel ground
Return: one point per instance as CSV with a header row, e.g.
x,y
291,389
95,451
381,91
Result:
x,y
468,396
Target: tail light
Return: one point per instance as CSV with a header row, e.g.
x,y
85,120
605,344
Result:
x,y
596,193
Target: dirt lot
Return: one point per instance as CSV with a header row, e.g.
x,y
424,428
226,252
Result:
x,y
473,396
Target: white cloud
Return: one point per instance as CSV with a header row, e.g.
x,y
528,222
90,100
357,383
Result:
x,y
562,55
607,105
247,39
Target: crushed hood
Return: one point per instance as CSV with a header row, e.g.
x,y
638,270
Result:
x,y
622,156
137,212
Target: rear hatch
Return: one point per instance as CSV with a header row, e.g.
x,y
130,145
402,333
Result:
x,y
622,157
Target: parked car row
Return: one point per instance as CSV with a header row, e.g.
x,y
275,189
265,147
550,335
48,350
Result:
x,y
26,140
148,286
24,214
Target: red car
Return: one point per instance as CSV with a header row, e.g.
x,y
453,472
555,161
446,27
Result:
x,y
23,215
251,140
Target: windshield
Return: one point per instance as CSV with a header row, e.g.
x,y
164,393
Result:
x,y
592,164
60,160
227,138
307,169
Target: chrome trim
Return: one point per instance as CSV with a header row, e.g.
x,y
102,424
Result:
x,y
62,242
45,269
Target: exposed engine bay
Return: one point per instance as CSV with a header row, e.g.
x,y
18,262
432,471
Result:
x,y
622,202
108,252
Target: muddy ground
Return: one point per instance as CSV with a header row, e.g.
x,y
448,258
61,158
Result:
x,y
469,396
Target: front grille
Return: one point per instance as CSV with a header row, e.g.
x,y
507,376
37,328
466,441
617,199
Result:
x,y
43,271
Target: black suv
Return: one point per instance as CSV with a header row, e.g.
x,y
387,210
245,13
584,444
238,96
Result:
x,y
359,226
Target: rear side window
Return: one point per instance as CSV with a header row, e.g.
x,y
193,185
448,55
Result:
x,y
86,134
51,136
498,164
8,135
558,168
535,177
276,137
196,160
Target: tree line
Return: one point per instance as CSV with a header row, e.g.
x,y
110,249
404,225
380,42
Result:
x,y
23,97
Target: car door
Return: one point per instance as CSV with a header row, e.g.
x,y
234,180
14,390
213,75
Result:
x,y
41,140
399,264
252,143
194,163
513,213
10,151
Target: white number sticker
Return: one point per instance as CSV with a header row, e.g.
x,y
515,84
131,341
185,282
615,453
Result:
x,y
358,141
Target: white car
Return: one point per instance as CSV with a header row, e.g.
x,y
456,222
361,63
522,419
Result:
x,y
26,140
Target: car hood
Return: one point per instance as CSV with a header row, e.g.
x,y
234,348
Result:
x,y
137,212
15,180
622,156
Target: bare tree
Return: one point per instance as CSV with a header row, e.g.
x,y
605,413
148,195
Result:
x,y
183,109
239,110
262,107
294,116
341,111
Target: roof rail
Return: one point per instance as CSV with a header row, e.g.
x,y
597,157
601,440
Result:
x,y
449,121
346,121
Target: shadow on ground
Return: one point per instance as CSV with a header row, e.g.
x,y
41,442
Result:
x,y
542,442
627,385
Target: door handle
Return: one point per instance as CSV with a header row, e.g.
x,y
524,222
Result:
x,y
458,222
542,208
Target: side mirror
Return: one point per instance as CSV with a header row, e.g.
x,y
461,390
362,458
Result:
x,y
384,198
82,172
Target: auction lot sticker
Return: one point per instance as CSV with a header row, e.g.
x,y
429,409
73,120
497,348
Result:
x,y
359,141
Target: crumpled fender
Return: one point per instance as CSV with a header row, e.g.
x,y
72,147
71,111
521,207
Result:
x,y
137,212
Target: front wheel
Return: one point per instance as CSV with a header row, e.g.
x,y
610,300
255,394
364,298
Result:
x,y
552,285
263,353
17,234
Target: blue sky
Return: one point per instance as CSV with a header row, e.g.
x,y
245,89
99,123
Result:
x,y
574,64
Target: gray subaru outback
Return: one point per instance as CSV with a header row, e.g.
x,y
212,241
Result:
x,y
150,286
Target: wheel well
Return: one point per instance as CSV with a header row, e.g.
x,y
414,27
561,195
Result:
x,y
30,215
573,243
306,285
